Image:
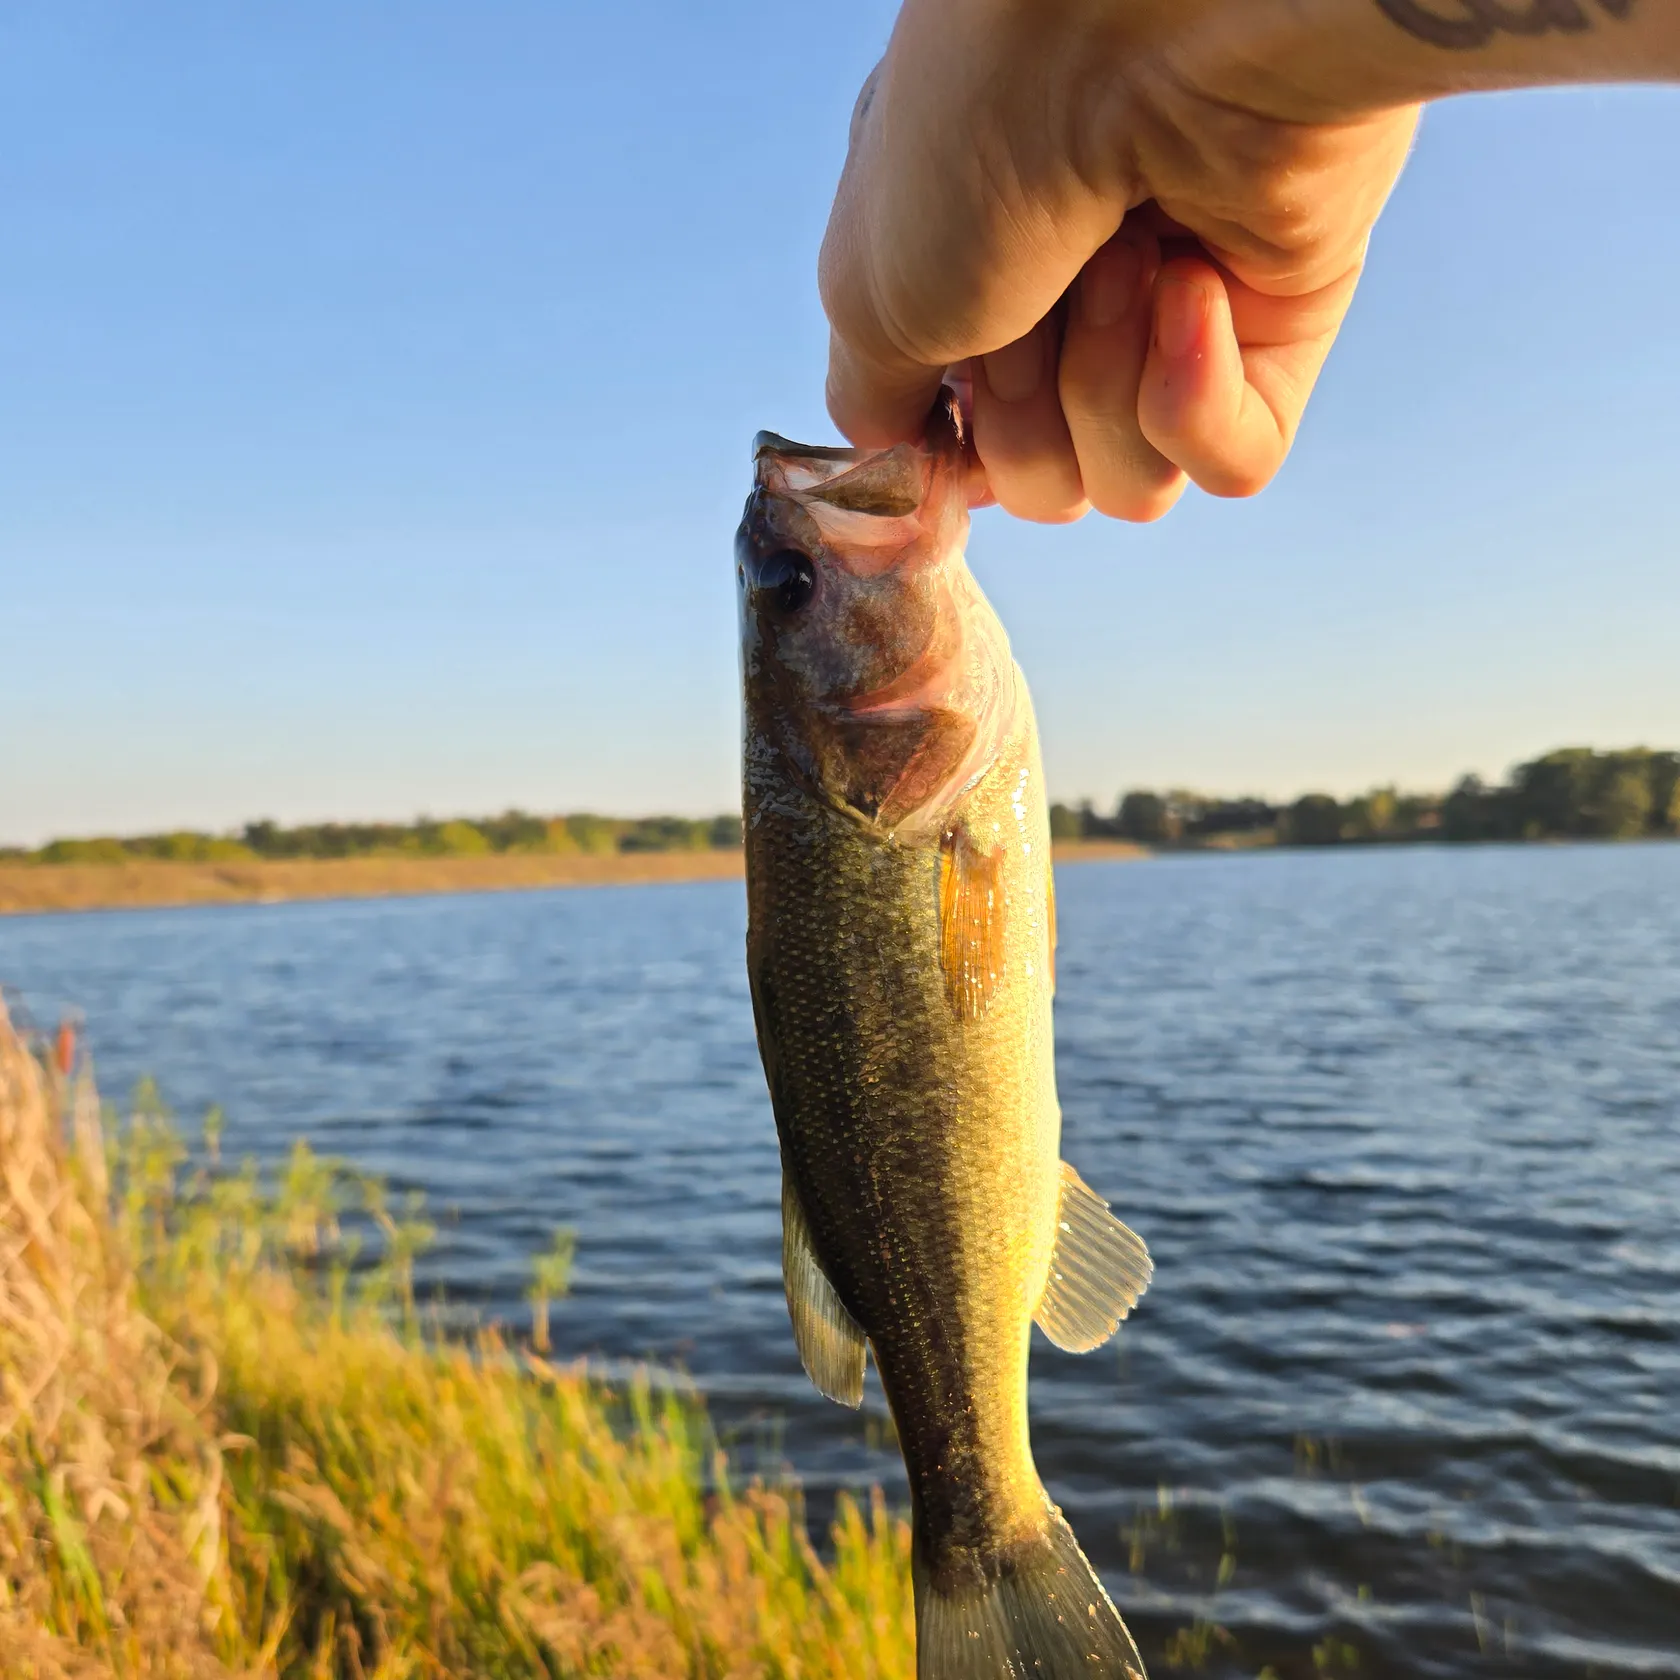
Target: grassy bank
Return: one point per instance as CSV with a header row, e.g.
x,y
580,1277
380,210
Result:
x,y
225,1450
102,886
26,887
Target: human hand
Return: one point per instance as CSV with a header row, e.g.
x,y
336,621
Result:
x,y
1137,225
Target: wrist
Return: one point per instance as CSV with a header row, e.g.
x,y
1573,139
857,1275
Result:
x,y
1363,55
1335,60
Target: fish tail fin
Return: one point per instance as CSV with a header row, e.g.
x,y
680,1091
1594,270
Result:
x,y
1040,1614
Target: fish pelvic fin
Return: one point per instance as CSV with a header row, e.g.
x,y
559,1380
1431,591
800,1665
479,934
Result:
x,y
1098,1270
1039,1613
831,1346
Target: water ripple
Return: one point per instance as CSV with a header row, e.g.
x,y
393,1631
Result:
x,y
1400,1127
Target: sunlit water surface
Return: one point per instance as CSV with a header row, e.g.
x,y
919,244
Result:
x,y
1402,1129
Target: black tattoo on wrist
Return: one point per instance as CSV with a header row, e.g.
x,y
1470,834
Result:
x,y
1473,23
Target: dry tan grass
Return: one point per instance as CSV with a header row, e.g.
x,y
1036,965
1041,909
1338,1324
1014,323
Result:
x,y
222,1454
69,886
96,886
94,1399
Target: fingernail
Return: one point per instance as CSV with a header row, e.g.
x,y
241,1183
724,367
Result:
x,y
1109,284
1180,316
1013,373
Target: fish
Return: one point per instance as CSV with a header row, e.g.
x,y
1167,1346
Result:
x,y
901,956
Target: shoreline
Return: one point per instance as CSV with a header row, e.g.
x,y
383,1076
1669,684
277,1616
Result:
x,y
146,884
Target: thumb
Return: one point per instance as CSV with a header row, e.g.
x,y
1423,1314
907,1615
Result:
x,y
879,393
939,247
878,403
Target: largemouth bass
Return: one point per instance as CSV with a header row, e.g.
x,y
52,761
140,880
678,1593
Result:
x,y
901,949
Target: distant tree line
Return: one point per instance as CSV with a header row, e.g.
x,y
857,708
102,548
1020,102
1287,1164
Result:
x,y
1574,793
513,831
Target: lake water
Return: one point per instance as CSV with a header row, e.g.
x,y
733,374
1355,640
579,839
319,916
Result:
x,y
1402,1129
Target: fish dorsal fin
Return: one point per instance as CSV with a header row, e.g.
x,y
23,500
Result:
x,y
973,916
831,1346
1098,1270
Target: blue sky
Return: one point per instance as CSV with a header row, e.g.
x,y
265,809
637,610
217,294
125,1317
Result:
x,y
376,384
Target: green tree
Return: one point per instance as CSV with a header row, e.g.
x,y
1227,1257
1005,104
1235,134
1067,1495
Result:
x,y
1315,819
724,833
1064,823
558,837
1665,791
1418,813
1475,811
1553,794
265,838
1143,817
462,839
103,850
1464,816
515,831
1621,805
666,834
593,834
1373,814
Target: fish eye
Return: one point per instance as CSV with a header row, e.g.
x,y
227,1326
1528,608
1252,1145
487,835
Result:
x,y
785,581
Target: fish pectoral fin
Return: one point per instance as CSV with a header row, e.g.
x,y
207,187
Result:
x,y
1098,1270
831,1346
973,919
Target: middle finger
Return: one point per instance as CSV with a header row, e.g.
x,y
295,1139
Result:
x,y
1103,354
1019,433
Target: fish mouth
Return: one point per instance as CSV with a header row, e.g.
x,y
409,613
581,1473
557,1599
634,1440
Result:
x,y
871,508
886,484
886,481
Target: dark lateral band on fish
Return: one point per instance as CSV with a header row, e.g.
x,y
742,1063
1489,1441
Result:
x,y
900,948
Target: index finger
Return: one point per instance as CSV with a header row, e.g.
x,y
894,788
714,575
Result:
x,y
878,402
878,392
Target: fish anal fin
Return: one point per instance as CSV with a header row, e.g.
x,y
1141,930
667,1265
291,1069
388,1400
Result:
x,y
973,921
831,1346
1041,1612
1098,1270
